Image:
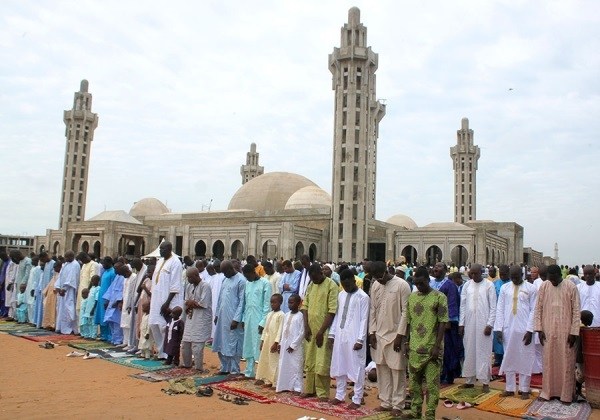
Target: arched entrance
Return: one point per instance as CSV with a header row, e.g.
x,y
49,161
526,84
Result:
x,y
85,247
312,252
299,250
42,248
269,250
459,255
237,250
200,249
56,248
410,254
433,255
97,249
218,249
130,250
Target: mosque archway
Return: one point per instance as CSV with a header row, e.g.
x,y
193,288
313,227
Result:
x,y
504,257
299,250
97,249
42,248
410,254
498,260
433,255
487,255
85,247
56,248
200,249
130,249
459,255
269,250
237,250
312,252
493,256
218,249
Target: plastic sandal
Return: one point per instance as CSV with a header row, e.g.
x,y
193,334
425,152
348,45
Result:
x,y
463,404
448,403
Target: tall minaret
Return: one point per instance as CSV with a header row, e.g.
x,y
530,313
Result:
x,y
464,157
556,252
251,169
356,129
80,125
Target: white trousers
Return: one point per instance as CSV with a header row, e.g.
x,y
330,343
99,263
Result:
x,y
158,335
340,391
511,382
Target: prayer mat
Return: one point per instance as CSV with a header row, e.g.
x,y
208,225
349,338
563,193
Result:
x,y
110,353
555,410
314,404
508,406
31,333
207,380
180,386
60,339
90,345
247,389
378,416
139,363
471,395
7,327
165,375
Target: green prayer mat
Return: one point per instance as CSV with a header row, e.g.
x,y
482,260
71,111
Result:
x,y
471,395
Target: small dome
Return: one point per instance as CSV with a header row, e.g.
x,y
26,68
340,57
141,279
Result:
x,y
311,197
268,192
402,220
148,207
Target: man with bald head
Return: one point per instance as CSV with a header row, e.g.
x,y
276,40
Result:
x,y
514,329
198,319
589,294
477,317
166,294
557,321
66,287
229,334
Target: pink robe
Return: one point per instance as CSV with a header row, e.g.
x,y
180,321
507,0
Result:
x,y
557,315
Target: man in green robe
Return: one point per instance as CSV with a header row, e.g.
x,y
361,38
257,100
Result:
x,y
427,320
319,307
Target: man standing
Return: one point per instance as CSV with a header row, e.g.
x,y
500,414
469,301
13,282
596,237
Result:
x,y
288,284
113,304
503,271
47,266
427,318
108,275
198,325
557,321
89,268
453,348
538,274
514,329
387,329
272,276
318,309
166,294
589,294
347,339
66,286
304,277
139,269
477,316
4,263
229,334
257,303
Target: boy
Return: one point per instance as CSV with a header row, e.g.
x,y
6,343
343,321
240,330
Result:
x,y
347,337
291,361
22,307
146,342
173,337
266,373
86,319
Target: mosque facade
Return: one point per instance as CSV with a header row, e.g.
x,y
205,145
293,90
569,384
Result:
x,y
285,215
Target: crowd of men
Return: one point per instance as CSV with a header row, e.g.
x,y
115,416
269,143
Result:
x,y
300,324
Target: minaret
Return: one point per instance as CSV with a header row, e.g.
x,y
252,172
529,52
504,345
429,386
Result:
x,y
251,169
356,129
464,157
556,252
80,125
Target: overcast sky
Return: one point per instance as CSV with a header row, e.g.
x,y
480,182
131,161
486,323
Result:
x,y
182,89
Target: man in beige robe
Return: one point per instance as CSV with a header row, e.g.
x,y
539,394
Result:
x,y
387,330
557,321
89,268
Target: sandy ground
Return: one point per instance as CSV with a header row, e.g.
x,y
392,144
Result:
x,y
45,384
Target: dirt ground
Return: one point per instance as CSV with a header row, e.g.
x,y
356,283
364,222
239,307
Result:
x,y
39,383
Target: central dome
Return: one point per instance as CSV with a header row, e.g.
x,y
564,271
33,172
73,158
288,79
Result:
x,y
268,192
148,207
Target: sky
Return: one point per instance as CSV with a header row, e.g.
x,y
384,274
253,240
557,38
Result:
x,y
182,88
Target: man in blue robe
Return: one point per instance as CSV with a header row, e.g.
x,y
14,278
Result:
x,y
106,280
112,300
229,335
47,273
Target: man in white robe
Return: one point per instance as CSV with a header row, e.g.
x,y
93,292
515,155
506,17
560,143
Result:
x,y
66,286
387,332
215,282
589,294
166,294
477,317
347,338
514,329
139,269
34,278
538,276
9,285
291,353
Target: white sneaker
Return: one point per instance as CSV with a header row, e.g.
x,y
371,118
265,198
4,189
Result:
x,y
75,354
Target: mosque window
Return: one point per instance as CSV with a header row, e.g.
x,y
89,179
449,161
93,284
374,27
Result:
x,y
358,100
83,160
341,214
345,81
356,169
75,147
343,154
343,174
355,192
345,100
76,134
84,147
343,135
342,193
358,80
354,230
357,118
354,211
353,251
74,159
339,251
73,171
356,136
82,172
344,118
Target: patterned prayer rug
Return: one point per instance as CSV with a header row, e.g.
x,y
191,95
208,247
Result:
x,y
555,410
471,395
7,327
60,339
90,345
139,363
508,406
378,416
314,404
246,388
31,333
165,375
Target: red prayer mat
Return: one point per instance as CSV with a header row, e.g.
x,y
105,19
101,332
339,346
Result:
x,y
314,404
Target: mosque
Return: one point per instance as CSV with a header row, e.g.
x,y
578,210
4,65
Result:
x,y
285,215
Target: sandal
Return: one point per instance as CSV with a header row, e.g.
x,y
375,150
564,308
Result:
x,y
448,403
463,404
204,391
75,354
225,397
239,401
